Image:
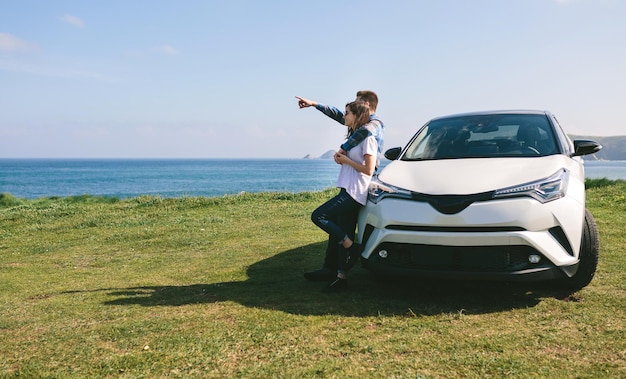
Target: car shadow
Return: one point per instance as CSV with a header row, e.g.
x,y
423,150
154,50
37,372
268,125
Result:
x,y
277,283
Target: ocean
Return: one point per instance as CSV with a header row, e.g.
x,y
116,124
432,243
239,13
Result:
x,y
126,178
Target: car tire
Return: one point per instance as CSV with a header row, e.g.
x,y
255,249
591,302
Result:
x,y
589,253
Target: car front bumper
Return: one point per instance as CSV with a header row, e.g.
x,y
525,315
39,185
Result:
x,y
508,239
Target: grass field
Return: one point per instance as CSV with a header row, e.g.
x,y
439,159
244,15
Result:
x,y
212,288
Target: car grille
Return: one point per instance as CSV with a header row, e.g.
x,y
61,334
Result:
x,y
458,258
456,229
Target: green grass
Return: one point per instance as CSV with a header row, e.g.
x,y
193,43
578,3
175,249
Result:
x,y
95,287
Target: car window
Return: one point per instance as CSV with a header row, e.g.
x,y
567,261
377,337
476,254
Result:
x,y
484,136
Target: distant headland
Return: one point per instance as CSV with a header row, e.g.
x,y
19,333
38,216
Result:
x,y
327,155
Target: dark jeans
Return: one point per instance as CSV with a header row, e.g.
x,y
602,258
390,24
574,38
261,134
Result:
x,y
337,217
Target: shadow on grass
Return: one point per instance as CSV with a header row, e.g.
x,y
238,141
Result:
x,y
277,283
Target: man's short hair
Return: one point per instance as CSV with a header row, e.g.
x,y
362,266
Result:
x,y
370,97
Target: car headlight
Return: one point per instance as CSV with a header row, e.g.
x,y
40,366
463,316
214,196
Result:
x,y
379,190
544,190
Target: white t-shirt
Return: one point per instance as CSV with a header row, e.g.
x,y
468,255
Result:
x,y
355,182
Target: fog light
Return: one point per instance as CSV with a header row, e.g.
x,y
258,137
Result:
x,y
534,258
383,254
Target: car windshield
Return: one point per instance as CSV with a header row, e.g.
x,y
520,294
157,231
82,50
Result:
x,y
483,136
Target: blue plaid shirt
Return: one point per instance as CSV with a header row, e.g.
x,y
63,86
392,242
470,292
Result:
x,y
374,128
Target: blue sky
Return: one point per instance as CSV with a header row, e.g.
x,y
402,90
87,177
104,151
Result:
x,y
217,79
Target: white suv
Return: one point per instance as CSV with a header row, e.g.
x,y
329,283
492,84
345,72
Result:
x,y
489,196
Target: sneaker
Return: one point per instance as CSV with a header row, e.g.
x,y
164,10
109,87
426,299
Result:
x,y
321,275
354,254
337,285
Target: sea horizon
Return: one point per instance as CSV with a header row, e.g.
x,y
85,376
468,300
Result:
x,y
33,178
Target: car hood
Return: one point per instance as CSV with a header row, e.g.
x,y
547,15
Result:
x,y
469,175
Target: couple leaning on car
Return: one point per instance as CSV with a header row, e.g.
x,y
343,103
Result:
x,y
359,157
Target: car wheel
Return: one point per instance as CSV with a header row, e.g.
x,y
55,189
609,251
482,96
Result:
x,y
589,253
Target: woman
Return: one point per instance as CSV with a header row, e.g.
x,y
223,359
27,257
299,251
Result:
x,y
338,216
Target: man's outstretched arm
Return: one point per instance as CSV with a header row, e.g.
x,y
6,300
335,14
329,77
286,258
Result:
x,y
330,111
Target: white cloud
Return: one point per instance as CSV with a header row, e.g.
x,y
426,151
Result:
x,y
166,49
10,42
162,49
73,20
65,72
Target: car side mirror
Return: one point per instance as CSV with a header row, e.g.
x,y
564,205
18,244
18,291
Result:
x,y
585,147
393,153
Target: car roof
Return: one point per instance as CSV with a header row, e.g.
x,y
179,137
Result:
x,y
496,112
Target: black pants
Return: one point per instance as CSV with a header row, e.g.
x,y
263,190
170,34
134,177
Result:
x,y
337,217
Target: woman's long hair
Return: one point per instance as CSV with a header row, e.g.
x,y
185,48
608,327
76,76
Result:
x,y
361,112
